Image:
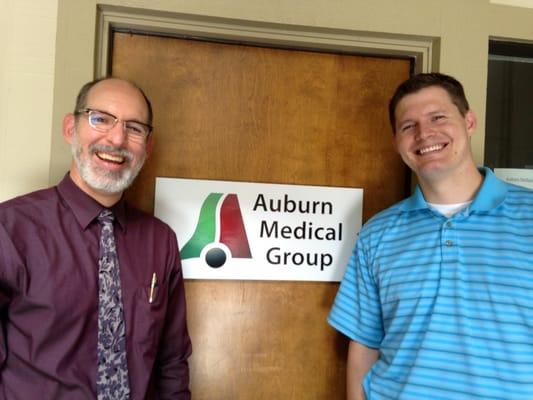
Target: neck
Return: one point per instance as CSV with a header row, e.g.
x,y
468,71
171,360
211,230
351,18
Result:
x,y
104,198
458,188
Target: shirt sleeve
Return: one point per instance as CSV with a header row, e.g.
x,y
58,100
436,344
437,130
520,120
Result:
x,y
7,282
356,311
4,298
172,368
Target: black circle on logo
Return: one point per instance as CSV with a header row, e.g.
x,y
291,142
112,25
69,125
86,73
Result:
x,y
215,257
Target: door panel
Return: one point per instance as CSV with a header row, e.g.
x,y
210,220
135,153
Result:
x,y
244,113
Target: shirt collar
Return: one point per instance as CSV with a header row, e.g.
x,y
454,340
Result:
x,y
490,195
84,207
415,202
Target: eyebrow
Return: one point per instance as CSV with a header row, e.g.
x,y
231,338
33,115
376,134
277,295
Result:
x,y
400,122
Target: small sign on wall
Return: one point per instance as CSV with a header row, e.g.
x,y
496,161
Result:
x,y
517,176
238,230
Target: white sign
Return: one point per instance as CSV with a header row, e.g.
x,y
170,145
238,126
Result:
x,y
237,230
521,177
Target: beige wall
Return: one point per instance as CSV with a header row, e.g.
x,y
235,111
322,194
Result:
x,y
27,57
462,27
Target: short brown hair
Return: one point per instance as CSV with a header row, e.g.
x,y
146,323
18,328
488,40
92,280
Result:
x,y
421,81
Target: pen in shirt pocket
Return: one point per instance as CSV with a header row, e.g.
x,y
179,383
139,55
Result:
x,y
153,284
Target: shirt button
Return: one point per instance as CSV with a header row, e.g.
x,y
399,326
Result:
x,y
448,243
449,224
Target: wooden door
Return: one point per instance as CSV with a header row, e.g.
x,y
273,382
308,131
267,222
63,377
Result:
x,y
244,113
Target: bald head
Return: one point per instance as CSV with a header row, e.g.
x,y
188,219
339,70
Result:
x,y
83,95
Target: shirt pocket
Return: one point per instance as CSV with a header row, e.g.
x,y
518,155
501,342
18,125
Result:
x,y
150,316
154,296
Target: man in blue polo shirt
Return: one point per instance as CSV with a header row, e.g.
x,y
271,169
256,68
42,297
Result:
x,y
437,298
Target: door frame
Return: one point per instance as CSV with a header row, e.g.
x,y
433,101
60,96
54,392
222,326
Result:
x,y
422,50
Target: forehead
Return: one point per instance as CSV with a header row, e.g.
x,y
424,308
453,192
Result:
x,y
424,100
119,98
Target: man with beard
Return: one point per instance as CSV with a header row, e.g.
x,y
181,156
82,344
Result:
x,y
92,302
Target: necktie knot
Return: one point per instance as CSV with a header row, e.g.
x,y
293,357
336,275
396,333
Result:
x,y
106,217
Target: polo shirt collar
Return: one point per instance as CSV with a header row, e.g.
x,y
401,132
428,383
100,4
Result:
x,y
415,202
84,207
491,194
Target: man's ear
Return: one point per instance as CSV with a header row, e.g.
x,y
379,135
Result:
x,y
471,122
149,145
69,125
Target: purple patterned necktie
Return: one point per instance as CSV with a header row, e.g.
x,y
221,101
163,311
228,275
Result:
x,y
112,374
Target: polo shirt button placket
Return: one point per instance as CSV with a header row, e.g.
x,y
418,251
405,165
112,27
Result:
x,y
448,250
446,233
450,254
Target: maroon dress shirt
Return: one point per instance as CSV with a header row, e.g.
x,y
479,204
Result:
x,y
49,299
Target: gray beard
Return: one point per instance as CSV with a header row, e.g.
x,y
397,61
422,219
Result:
x,y
102,179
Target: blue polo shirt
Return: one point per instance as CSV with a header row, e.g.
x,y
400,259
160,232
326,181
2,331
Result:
x,y
447,301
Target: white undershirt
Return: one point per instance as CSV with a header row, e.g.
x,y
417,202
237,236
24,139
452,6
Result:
x,y
449,209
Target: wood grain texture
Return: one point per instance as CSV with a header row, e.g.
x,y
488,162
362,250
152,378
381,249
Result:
x,y
244,113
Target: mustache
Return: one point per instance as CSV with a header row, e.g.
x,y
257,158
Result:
x,y
111,150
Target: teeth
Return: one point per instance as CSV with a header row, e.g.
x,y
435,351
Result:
x,y
110,157
429,149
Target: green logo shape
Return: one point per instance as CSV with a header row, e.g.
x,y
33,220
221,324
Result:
x,y
205,229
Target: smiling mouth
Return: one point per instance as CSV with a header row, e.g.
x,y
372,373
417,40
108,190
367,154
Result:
x,y
110,158
430,149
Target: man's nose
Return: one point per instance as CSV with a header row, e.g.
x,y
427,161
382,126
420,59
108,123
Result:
x,y
424,130
117,135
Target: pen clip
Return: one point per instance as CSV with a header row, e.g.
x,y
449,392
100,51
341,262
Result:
x,y
153,284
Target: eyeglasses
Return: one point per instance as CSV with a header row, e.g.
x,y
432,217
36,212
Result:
x,y
104,122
